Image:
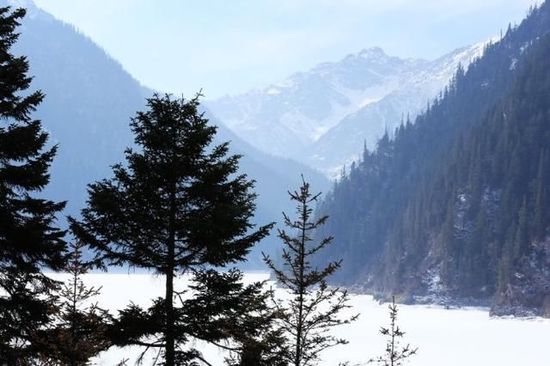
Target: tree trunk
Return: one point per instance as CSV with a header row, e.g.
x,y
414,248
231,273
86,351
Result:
x,y
169,336
299,328
169,331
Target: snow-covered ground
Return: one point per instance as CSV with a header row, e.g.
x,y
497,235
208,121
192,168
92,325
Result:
x,y
455,337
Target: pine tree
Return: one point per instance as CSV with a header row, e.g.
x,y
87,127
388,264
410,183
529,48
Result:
x,y
314,308
80,327
264,343
179,206
268,352
394,354
29,238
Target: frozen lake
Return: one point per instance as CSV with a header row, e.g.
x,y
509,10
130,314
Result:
x,y
449,337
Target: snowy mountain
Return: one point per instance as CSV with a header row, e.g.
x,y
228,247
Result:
x,y
323,116
343,143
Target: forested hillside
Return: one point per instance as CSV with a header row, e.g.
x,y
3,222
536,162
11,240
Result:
x,y
455,207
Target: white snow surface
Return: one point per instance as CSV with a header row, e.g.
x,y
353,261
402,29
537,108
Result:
x,y
450,337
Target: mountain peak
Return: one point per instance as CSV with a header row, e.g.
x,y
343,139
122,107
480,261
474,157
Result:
x,y
373,52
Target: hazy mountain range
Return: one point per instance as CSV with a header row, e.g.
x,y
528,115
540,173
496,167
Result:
x,y
90,99
324,116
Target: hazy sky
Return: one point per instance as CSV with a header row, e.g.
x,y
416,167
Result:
x,y
230,46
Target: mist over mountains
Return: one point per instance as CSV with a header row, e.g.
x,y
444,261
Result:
x,y
324,116
90,99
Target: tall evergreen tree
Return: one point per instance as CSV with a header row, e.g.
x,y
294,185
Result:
x,y
178,206
314,308
29,238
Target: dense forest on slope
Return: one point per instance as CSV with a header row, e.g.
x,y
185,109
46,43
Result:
x,y
456,205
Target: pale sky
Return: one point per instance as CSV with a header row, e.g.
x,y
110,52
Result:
x,y
231,46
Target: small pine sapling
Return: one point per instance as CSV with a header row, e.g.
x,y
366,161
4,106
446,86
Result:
x,y
80,326
394,354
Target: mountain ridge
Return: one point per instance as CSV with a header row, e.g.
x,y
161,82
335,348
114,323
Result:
x,y
296,118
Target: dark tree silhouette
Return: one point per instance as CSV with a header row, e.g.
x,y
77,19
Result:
x,y
315,308
80,327
178,206
29,238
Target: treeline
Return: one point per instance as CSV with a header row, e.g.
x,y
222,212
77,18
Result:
x,y
456,205
177,205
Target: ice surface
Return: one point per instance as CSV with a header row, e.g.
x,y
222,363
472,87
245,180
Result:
x,y
450,337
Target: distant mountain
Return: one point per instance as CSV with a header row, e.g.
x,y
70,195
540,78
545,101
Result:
x,y
322,117
343,143
455,207
281,118
90,99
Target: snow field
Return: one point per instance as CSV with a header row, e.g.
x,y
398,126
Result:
x,y
450,337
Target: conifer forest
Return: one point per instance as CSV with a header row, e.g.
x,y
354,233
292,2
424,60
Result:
x,y
233,183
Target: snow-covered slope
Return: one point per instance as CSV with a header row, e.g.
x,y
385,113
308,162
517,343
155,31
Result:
x,y
343,143
322,116
283,117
